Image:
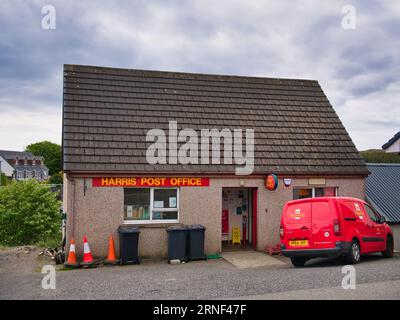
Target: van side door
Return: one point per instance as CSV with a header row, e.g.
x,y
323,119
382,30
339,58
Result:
x,y
354,220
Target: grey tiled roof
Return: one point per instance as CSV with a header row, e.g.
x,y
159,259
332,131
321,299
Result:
x,y
383,189
11,155
8,154
391,141
108,111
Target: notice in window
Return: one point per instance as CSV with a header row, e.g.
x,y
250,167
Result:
x,y
172,202
158,204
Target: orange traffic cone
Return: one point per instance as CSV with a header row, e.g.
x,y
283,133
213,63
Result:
x,y
111,258
87,254
71,262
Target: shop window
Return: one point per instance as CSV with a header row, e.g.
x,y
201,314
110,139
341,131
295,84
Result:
x,y
325,192
301,193
137,204
165,205
319,192
150,204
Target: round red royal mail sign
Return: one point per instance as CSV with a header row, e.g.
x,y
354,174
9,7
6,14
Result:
x,y
271,182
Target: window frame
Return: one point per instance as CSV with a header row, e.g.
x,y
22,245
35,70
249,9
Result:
x,y
313,191
151,209
20,175
28,174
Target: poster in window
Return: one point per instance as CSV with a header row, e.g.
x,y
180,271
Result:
x,y
172,202
136,213
129,211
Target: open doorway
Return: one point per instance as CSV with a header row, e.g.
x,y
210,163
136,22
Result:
x,y
239,211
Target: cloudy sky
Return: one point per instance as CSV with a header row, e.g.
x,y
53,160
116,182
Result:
x,y
357,68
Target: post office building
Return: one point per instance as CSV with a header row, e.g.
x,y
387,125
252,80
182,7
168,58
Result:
x,y
158,149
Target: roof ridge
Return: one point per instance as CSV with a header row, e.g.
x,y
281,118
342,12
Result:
x,y
166,72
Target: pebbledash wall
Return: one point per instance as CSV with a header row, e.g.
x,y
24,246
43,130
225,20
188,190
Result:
x,y
97,212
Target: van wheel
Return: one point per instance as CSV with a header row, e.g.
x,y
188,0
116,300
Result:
x,y
298,262
354,254
388,253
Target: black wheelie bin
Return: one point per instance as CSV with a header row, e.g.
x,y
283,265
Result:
x,y
177,243
196,234
128,244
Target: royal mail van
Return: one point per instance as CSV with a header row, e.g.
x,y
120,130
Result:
x,y
332,227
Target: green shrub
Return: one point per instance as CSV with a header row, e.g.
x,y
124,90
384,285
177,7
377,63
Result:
x,y
29,213
3,179
380,156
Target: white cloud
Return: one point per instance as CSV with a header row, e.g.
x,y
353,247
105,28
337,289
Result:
x,y
19,128
370,120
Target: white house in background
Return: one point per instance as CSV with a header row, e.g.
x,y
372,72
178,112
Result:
x,y
6,168
23,165
393,145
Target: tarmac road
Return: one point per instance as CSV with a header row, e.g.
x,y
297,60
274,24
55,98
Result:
x,y
376,278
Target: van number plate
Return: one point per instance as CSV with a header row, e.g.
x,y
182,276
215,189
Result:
x,y
298,243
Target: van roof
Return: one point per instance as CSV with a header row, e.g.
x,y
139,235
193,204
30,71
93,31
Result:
x,y
319,198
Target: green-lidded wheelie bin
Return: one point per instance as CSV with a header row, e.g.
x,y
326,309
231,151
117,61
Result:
x,y
177,243
128,244
196,234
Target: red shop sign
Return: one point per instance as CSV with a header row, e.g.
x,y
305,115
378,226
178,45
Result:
x,y
150,182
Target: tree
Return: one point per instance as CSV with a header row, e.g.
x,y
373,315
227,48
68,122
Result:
x,y
29,213
56,178
51,152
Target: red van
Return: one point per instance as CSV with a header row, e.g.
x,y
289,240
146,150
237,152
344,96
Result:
x,y
332,227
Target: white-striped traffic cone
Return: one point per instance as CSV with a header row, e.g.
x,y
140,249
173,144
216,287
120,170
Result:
x,y
87,254
71,262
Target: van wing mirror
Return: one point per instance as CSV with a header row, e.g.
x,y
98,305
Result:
x,y
382,219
